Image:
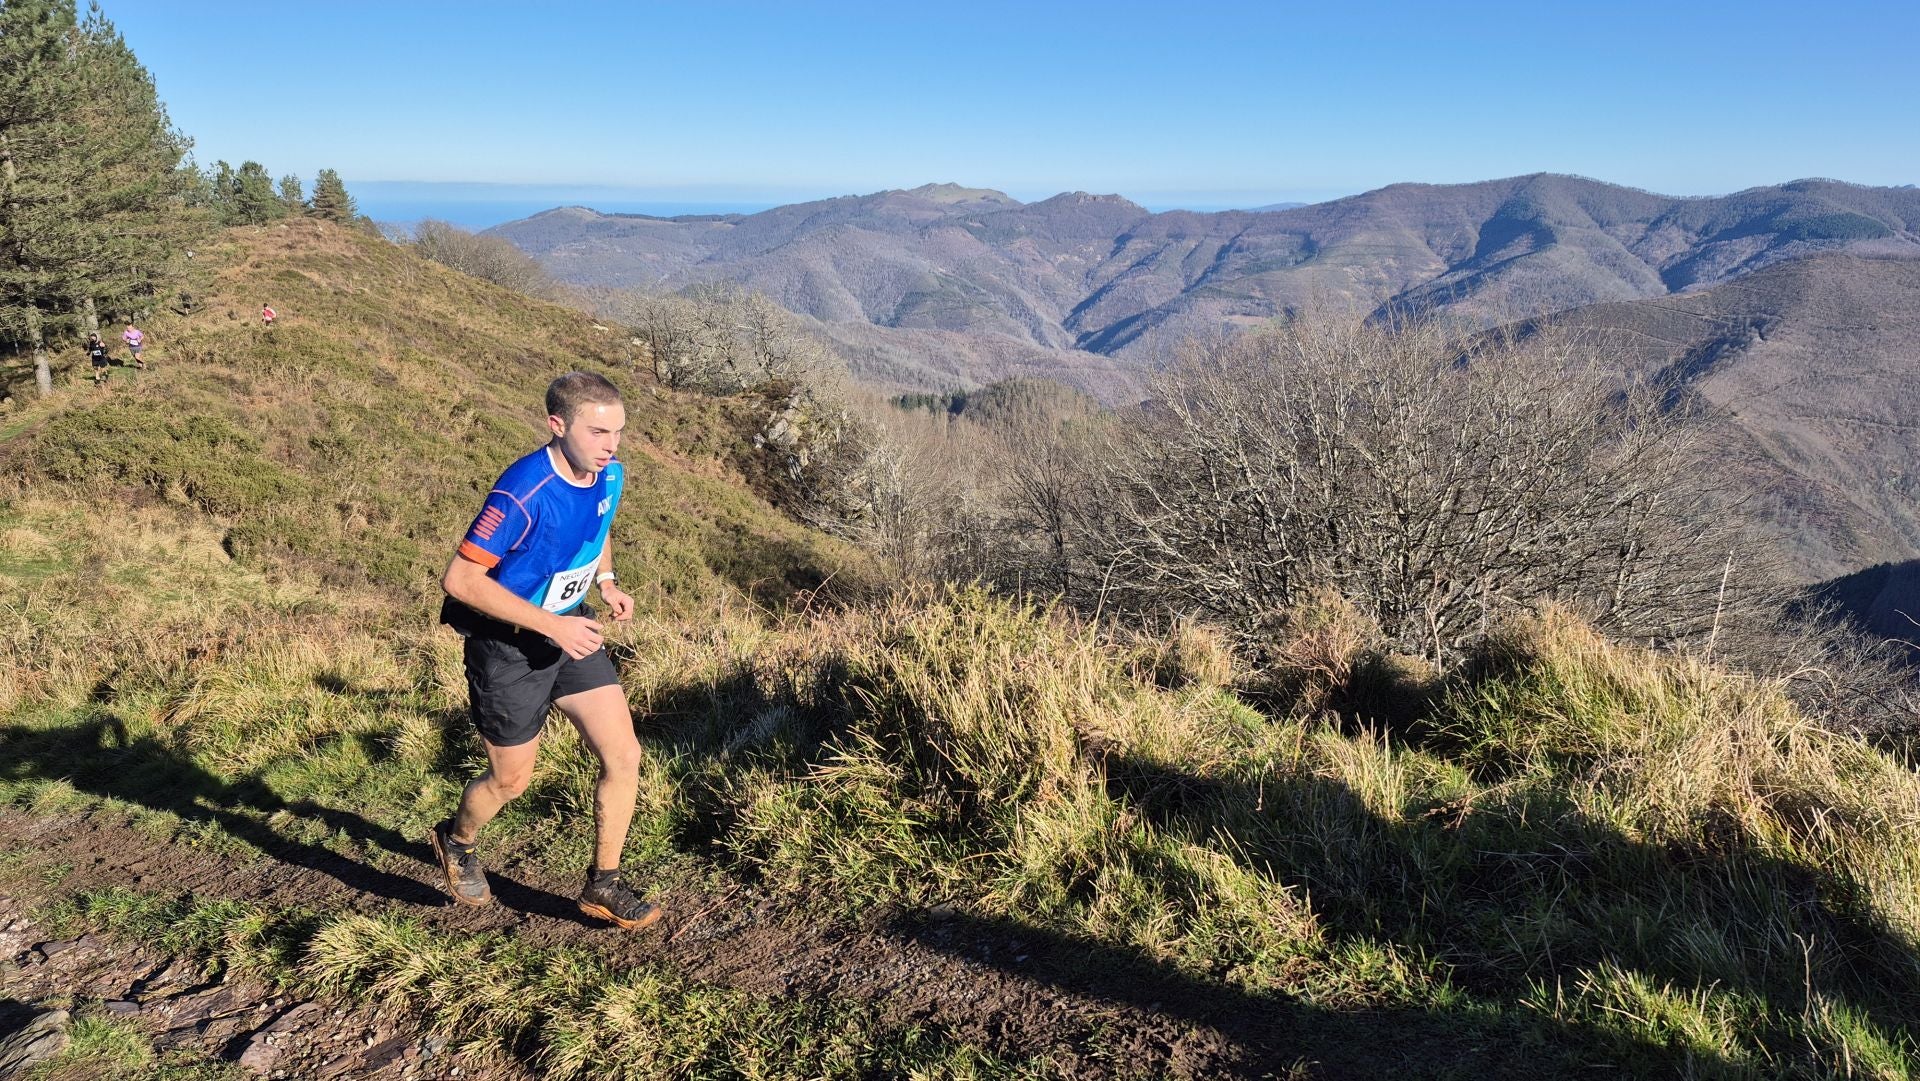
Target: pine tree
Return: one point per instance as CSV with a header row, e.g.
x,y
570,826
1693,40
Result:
x,y
136,193
291,194
330,198
38,226
92,194
205,197
222,181
254,202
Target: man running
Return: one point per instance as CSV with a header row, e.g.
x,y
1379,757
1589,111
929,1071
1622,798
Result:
x,y
136,341
97,355
515,590
268,315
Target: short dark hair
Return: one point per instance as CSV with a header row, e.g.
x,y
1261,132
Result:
x,y
568,393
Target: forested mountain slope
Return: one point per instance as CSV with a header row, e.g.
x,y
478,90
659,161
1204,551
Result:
x,y
1813,365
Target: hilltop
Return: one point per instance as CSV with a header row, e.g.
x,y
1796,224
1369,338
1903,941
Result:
x,y
1076,277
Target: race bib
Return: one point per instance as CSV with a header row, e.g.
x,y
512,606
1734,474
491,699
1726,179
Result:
x,y
568,588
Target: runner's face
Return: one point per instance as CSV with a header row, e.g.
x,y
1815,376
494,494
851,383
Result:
x,y
589,441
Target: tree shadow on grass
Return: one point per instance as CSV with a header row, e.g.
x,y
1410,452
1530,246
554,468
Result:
x,y
1539,894
98,756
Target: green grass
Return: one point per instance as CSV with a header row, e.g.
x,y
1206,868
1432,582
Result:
x,y
108,1049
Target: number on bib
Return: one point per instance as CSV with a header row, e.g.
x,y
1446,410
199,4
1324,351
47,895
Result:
x,y
568,587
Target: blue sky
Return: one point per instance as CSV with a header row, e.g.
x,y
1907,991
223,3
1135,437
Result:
x,y
1197,103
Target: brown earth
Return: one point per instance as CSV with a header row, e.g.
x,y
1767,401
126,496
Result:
x,y
192,1017
1086,1009
996,986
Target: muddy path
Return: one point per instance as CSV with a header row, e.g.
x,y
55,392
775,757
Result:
x,y
1088,1010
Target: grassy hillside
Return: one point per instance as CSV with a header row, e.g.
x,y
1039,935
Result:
x,y
354,439
931,835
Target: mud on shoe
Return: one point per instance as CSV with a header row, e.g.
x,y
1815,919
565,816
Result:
x,y
466,880
606,897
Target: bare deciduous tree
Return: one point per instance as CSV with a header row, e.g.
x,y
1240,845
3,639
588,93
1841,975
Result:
x,y
722,339
488,258
1432,478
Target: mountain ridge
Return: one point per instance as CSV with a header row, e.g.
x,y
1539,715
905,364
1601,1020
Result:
x,y
1079,274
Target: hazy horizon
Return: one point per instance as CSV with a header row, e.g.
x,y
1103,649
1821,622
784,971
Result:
x,y
1247,103
484,204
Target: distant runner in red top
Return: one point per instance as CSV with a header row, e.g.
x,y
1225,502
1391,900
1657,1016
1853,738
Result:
x,y
267,314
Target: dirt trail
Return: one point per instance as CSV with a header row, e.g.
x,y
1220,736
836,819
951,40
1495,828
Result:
x,y
193,1018
999,986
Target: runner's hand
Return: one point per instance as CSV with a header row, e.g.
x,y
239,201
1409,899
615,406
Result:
x,y
618,601
578,635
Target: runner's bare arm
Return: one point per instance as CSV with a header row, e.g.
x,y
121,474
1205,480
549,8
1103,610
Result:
x,y
467,582
618,601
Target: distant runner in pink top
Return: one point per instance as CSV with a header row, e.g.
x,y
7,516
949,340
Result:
x,y
267,315
136,341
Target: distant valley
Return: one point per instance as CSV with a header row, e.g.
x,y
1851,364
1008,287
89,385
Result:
x,y
1790,313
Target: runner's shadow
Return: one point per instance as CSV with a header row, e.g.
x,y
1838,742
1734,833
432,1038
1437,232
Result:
x,y
97,756
535,901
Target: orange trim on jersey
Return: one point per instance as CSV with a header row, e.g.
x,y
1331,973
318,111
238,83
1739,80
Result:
x,y
477,554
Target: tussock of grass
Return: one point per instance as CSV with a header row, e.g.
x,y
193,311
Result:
x,y
1568,806
1679,753
112,1049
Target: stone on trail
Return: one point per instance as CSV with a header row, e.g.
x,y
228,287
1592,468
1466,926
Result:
x,y
259,1055
43,1037
293,1017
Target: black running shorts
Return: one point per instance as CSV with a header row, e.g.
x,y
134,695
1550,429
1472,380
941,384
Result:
x,y
513,678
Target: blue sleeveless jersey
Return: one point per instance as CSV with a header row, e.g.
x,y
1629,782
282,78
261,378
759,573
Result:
x,y
540,535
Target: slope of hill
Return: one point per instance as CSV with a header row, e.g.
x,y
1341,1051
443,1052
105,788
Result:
x,y
941,836
1814,366
1882,600
354,437
1079,274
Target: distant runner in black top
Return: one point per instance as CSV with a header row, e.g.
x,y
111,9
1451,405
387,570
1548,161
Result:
x,y
97,354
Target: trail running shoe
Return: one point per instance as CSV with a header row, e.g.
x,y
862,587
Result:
x,y
466,880
609,899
